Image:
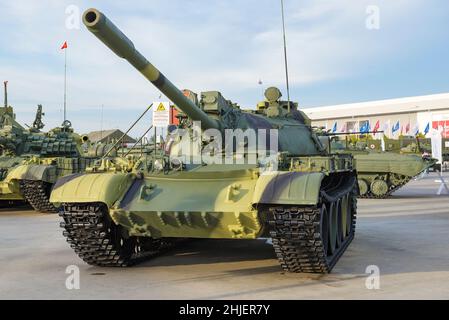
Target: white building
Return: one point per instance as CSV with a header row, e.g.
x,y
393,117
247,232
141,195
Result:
x,y
407,114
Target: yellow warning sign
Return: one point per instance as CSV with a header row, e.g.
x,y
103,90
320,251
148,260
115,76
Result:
x,y
161,114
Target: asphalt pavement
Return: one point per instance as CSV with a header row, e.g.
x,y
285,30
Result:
x,y
404,239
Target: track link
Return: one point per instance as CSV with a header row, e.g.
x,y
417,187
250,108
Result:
x,y
100,242
299,240
37,193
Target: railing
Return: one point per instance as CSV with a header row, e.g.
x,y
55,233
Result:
x,y
127,131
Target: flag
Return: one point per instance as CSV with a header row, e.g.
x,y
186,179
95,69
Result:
x,y
426,130
365,127
343,129
334,129
376,126
407,128
395,127
64,46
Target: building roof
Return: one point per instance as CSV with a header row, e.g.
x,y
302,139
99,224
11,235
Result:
x,y
108,135
391,106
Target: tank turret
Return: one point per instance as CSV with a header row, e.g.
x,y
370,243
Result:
x,y
212,109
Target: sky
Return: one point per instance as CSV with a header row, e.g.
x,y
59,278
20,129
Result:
x,y
338,52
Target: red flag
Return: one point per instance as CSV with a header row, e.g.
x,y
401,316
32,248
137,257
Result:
x,y
64,46
376,127
407,128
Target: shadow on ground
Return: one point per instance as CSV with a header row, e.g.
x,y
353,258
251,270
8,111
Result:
x,y
213,251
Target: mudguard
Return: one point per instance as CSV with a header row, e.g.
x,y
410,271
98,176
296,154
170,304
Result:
x,y
91,187
291,188
33,172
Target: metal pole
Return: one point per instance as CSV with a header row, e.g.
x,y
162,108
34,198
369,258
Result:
x,y
65,85
285,55
155,141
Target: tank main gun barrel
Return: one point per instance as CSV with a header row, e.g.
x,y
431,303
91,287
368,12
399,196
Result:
x,y
97,23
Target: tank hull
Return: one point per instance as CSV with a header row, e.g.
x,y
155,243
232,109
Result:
x,y
211,202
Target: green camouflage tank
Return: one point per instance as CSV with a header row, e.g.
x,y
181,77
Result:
x,y
31,160
124,210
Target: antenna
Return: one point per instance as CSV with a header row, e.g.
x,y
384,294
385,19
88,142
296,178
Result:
x,y
285,55
5,83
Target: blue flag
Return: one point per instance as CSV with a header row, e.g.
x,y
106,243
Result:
x,y
365,128
334,129
395,127
426,130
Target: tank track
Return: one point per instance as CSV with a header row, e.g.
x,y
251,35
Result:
x,y
391,189
298,240
37,193
98,241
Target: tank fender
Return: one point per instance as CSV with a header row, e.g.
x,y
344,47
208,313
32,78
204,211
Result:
x,y
33,172
292,188
91,187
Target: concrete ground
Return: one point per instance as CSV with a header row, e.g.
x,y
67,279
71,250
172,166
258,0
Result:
x,y
406,236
